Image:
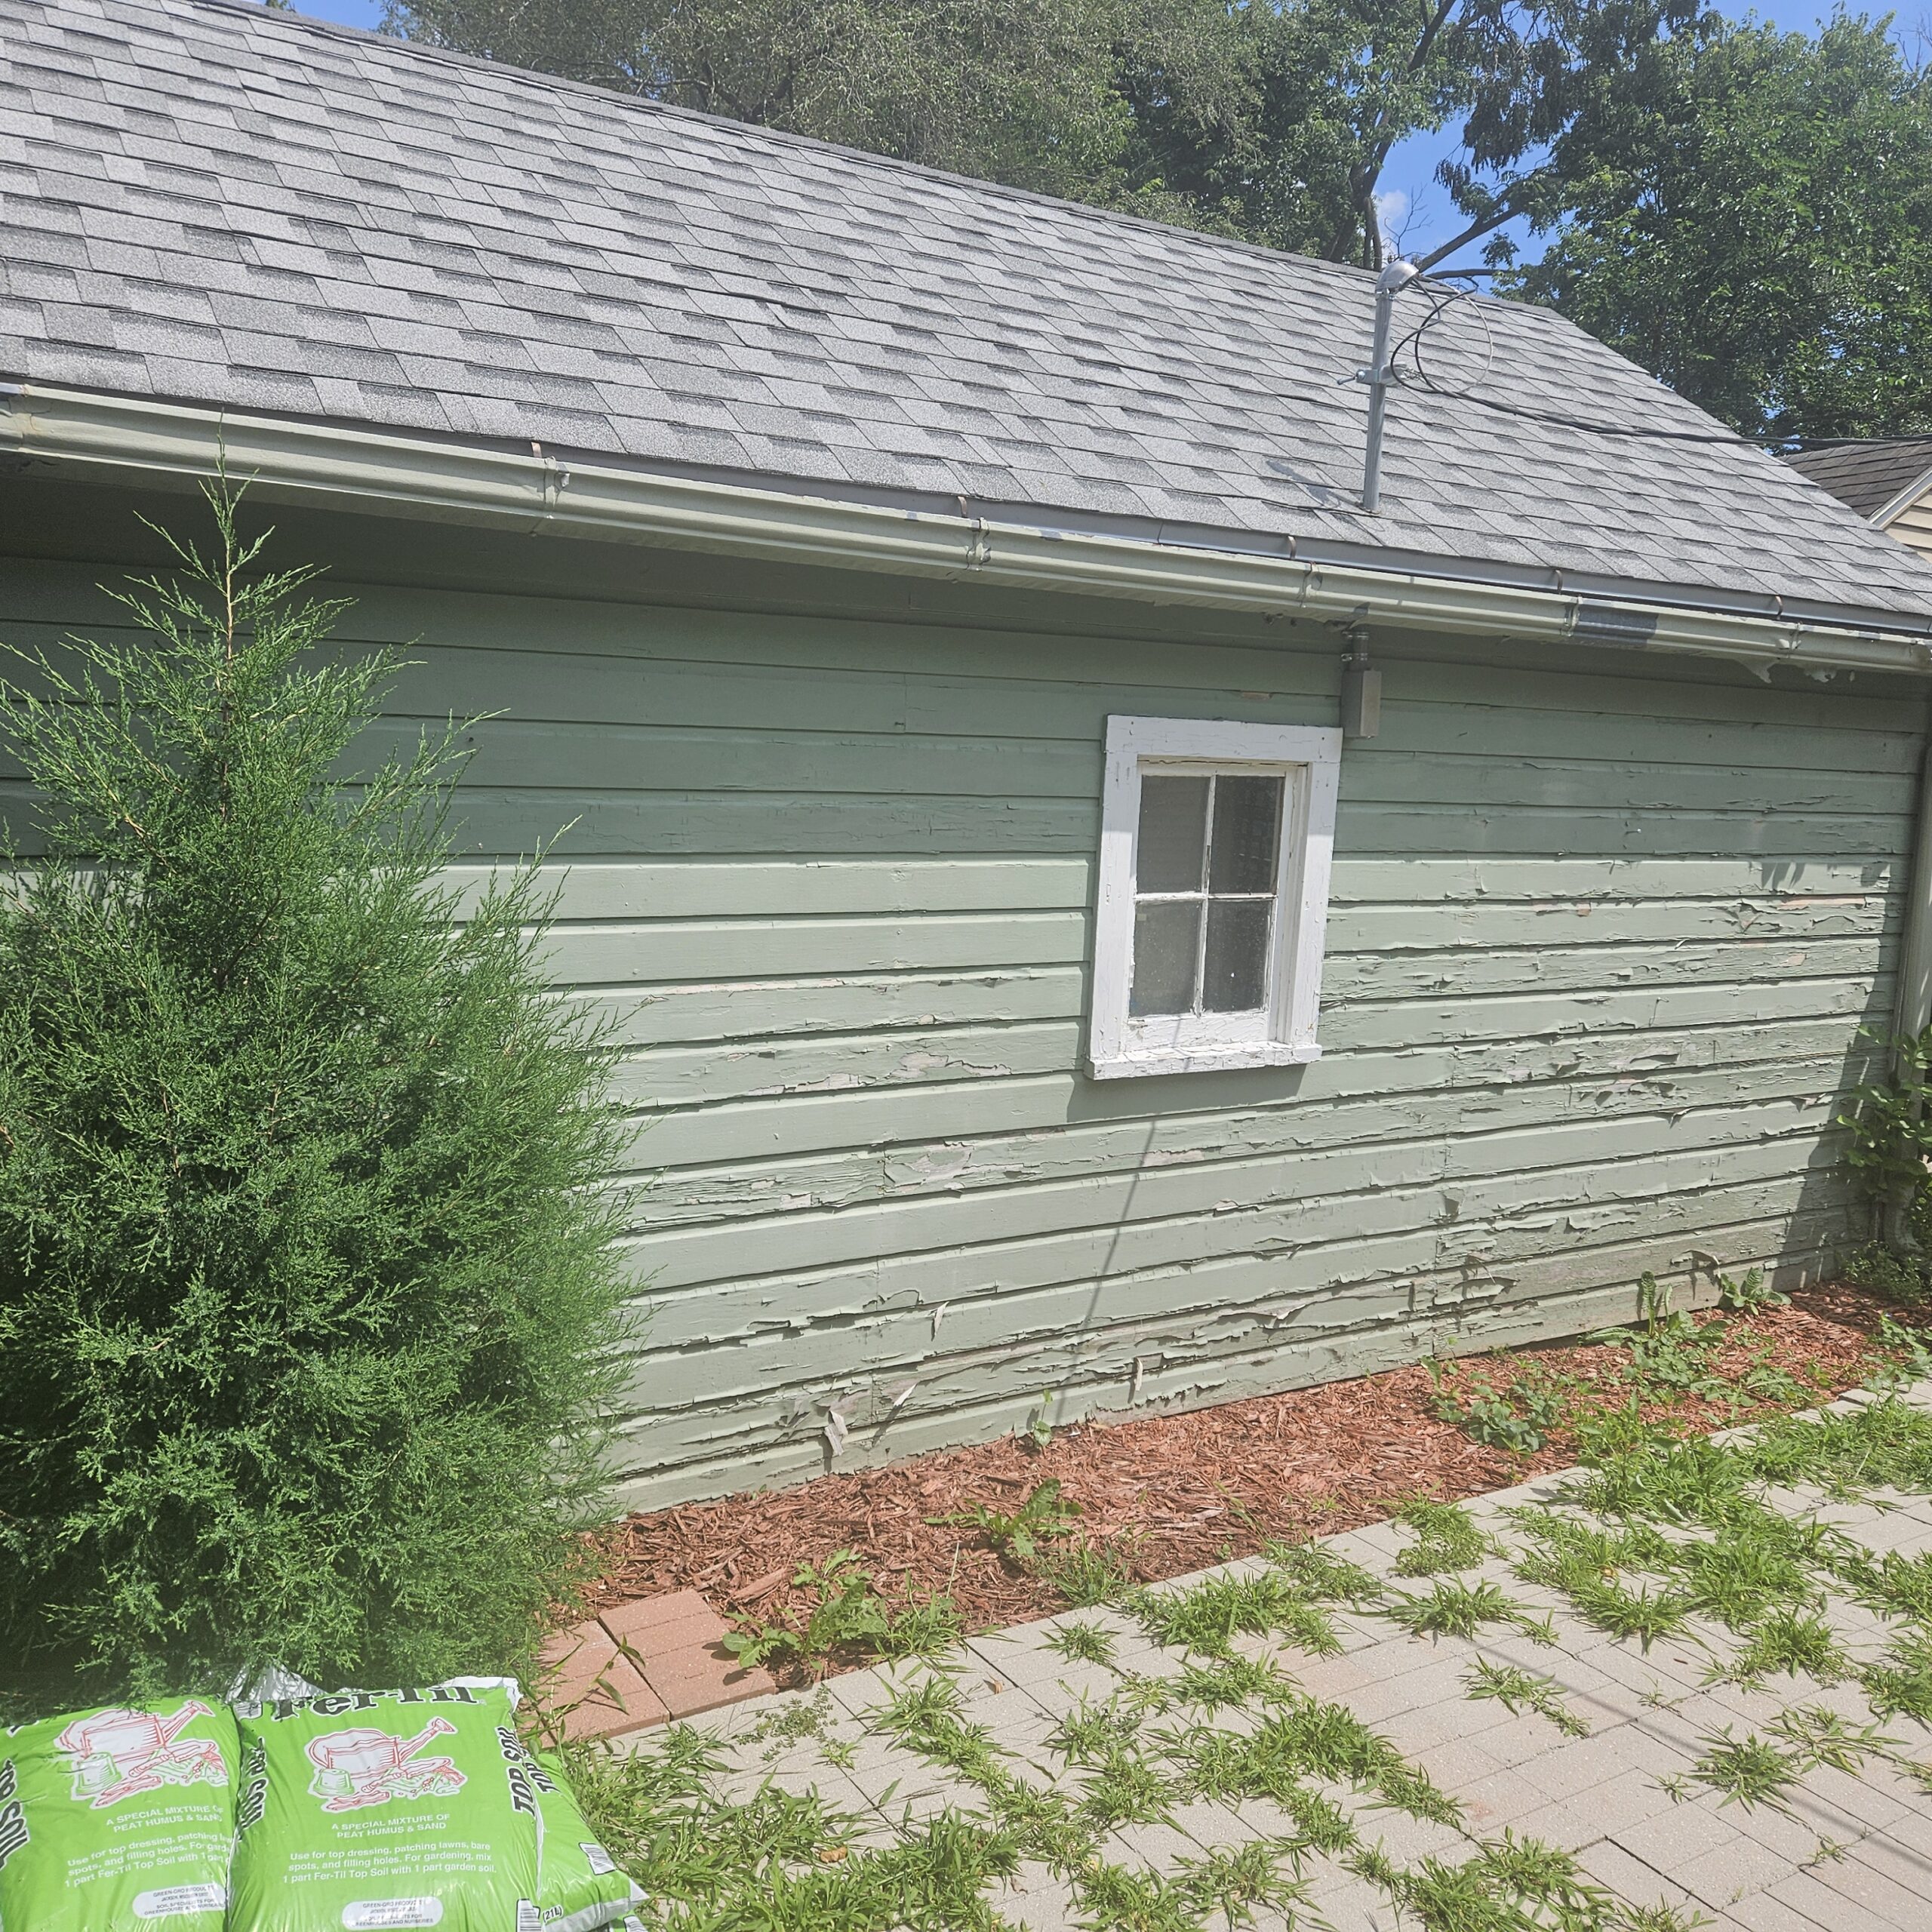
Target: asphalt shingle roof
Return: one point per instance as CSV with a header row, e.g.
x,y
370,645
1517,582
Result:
x,y
211,202
1867,475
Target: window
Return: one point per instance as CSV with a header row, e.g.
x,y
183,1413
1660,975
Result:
x,y
1214,849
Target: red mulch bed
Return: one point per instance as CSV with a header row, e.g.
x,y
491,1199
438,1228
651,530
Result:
x,y
1179,1492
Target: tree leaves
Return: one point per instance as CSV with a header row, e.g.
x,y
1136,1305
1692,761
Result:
x,y
1755,227
305,1276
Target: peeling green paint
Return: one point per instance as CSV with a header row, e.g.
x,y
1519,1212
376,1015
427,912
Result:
x,y
1603,940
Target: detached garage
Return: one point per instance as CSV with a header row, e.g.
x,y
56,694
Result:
x,y
938,628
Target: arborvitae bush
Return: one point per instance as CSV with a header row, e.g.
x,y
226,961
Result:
x,y
307,1293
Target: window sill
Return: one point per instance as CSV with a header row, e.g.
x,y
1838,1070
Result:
x,y
1206,1059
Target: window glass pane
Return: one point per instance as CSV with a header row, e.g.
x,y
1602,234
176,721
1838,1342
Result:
x,y
1174,835
1248,825
1166,938
1237,964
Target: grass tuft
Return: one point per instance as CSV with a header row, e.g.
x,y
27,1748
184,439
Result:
x,y
1518,1690
1083,1643
1446,1539
1457,1609
1209,1615
1750,1771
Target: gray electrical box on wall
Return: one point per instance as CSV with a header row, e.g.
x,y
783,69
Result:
x,y
1361,697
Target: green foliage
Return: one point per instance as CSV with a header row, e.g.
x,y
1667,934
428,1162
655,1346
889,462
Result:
x,y
1219,1685
1906,1357
1878,1445
1519,1416
845,1617
1229,1884
1039,1431
1020,91
1750,1770
1207,1616
1900,1684
1300,1738
1518,1690
1670,1363
1761,1564
1124,1788
1747,1296
1446,1539
1088,1574
1746,213
1671,1354
1818,1737
1083,1643
1891,1146
1272,122
1686,1526
778,1859
1509,1884
1905,1275
306,1285
1788,1641
1046,1516
1897,1586
1320,1575
1454,1608
1753,224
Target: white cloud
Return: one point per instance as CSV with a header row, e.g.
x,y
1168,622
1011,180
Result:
x,y
1391,209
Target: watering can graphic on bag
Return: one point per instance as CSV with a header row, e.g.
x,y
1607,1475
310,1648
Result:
x,y
115,1754
366,1766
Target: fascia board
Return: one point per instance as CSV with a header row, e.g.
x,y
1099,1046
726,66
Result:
x,y
534,490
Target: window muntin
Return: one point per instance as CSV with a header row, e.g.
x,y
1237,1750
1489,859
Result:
x,y
1213,894
1207,852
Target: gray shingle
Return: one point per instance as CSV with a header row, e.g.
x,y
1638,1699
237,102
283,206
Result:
x,y
1865,475
343,224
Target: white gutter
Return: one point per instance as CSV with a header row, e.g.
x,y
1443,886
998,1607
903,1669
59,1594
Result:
x,y
127,438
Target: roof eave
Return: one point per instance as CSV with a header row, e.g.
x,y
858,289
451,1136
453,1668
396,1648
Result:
x,y
1920,486
535,490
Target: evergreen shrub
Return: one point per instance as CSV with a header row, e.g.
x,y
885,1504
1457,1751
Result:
x,y
1889,1151
308,1301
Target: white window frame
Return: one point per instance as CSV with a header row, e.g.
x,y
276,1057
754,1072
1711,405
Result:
x,y
1282,1033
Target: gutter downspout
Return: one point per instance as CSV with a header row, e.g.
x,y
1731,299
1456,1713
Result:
x,y
1380,375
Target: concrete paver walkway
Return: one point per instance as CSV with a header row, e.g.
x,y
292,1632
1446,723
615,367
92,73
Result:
x,y
1172,1758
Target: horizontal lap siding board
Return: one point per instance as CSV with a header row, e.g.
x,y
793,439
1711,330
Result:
x,y
1912,525
1605,932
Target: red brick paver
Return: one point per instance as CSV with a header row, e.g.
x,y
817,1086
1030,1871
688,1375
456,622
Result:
x,y
641,1664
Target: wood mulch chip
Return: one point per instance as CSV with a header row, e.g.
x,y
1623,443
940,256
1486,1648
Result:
x,y
1170,1492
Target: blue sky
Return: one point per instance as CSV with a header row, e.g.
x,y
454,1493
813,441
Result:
x,y
1414,207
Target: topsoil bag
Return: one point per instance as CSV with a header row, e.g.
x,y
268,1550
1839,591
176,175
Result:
x,y
119,1817
579,1887
377,1811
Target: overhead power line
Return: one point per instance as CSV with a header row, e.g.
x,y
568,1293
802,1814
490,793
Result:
x,y
1442,298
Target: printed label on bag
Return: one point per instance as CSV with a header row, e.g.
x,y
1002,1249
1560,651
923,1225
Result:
x,y
391,1915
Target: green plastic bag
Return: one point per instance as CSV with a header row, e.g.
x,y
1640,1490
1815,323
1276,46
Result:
x,y
380,1811
579,1887
120,1817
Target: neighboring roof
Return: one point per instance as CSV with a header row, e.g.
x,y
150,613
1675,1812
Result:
x,y
1870,477
207,202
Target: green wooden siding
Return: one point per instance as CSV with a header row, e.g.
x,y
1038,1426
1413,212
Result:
x,y
1605,929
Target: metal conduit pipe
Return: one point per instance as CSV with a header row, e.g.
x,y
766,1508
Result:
x,y
1380,375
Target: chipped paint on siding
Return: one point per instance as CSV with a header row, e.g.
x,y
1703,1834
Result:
x,y
1603,940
